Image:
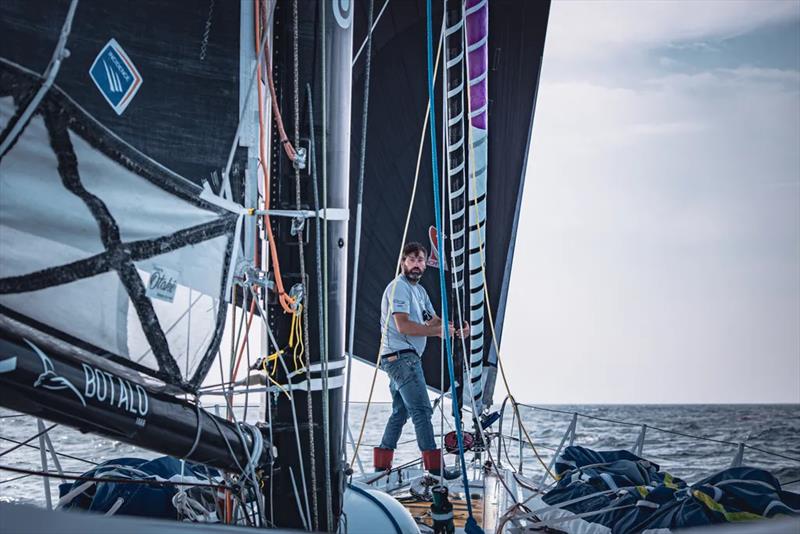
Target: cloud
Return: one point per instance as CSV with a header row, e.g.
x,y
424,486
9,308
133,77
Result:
x,y
591,28
660,232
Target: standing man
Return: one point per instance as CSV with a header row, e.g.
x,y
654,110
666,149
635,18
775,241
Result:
x,y
407,320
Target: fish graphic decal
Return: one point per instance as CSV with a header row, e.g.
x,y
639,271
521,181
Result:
x,y
49,379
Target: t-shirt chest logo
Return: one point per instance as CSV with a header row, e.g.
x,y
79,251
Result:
x,y
419,300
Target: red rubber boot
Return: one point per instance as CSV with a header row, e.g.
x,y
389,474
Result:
x,y
432,460
382,459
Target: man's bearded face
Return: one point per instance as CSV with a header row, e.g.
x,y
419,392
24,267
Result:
x,y
413,266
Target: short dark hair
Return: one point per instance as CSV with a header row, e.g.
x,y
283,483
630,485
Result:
x,y
412,247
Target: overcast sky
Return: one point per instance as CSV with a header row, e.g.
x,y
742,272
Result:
x,y
658,256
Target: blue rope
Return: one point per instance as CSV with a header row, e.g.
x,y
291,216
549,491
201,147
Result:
x,y
440,250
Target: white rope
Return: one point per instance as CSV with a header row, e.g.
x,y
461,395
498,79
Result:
x,y
400,254
359,208
363,44
193,510
74,492
116,506
197,434
249,470
297,499
572,517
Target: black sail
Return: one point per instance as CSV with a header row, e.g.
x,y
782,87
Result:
x,y
398,99
109,243
185,114
116,122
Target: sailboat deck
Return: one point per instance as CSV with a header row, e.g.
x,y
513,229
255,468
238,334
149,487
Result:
x,y
421,511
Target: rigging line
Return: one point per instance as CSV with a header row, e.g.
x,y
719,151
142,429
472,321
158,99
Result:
x,y
44,444
304,310
483,269
441,405
263,317
153,482
229,407
188,332
252,458
14,479
771,453
247,385
251,476
399,258
371,29
297,500
286,301
234,343
325,355
442,263
318,247
458,402
440,242
62,454
233,339
21,444
297,437
664,430
465,373
243,341
271,464
60,53
541,446
175,324
359,206
236,339
226,518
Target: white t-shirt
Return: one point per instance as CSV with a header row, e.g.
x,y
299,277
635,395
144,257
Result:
x,y
407,298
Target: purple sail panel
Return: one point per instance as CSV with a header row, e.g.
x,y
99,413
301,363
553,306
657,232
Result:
x,y
477,45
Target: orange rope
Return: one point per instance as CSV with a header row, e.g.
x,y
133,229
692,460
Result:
x,y
287,145
285,300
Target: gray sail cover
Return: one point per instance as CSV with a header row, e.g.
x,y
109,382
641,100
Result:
x,y
106,243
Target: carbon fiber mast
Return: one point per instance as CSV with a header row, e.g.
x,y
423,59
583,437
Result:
x,y
310,57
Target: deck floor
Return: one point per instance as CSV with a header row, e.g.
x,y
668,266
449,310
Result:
x,y
421,511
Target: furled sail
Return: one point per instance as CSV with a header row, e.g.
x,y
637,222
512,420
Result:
x,y
511,53
477,61
106,243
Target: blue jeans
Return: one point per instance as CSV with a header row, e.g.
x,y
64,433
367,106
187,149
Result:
x,y
409,397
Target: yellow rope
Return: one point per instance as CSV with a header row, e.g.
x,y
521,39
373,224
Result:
x,y
296,339
474,181
274,357
397,268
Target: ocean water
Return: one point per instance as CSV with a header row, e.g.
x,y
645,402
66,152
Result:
x,y
773,428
